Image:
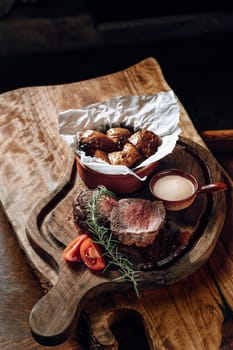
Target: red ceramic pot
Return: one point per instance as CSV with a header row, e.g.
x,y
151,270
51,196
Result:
x,y
119,184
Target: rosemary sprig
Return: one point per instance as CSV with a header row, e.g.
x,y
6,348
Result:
x,y
103,237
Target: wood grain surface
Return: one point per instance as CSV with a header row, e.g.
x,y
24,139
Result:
x,y
35,163
160,264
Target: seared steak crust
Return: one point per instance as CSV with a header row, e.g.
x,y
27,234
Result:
x,y
81,203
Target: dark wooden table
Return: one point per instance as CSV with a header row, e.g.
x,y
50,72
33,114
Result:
x,y
20,288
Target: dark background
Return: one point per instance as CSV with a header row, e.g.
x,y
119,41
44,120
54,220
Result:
x,y
84,39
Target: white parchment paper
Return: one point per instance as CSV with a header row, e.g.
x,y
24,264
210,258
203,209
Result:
x,y
158,113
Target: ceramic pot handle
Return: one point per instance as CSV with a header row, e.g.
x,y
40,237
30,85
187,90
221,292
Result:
x,y
213,187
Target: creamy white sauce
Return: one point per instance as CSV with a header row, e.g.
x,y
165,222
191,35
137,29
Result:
x,y
173,188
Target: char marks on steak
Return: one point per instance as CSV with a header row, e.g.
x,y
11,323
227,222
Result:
x,y
137,221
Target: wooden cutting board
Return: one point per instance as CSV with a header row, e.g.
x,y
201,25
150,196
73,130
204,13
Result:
x,y
183,245
38,177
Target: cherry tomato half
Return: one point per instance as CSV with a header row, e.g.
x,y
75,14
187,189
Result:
x,y
91,255
72,252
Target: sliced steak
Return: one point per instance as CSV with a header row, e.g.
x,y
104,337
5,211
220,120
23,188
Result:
x,y
137,221
83,200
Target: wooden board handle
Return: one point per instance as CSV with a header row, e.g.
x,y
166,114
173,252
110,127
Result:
x,y
218,140
52,317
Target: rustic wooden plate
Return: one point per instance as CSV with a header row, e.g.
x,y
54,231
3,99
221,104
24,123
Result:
x,y
184,244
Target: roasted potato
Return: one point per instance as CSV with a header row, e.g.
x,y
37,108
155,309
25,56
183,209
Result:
x,y
90,140
119,146
101,155
128,156
146,142
119,136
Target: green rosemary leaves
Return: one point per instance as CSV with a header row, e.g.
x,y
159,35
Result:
x,y
103,237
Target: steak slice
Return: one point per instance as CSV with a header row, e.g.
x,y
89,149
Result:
x,y
82,202
137,221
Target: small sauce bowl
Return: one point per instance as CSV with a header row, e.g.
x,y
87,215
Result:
x,y
177,188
